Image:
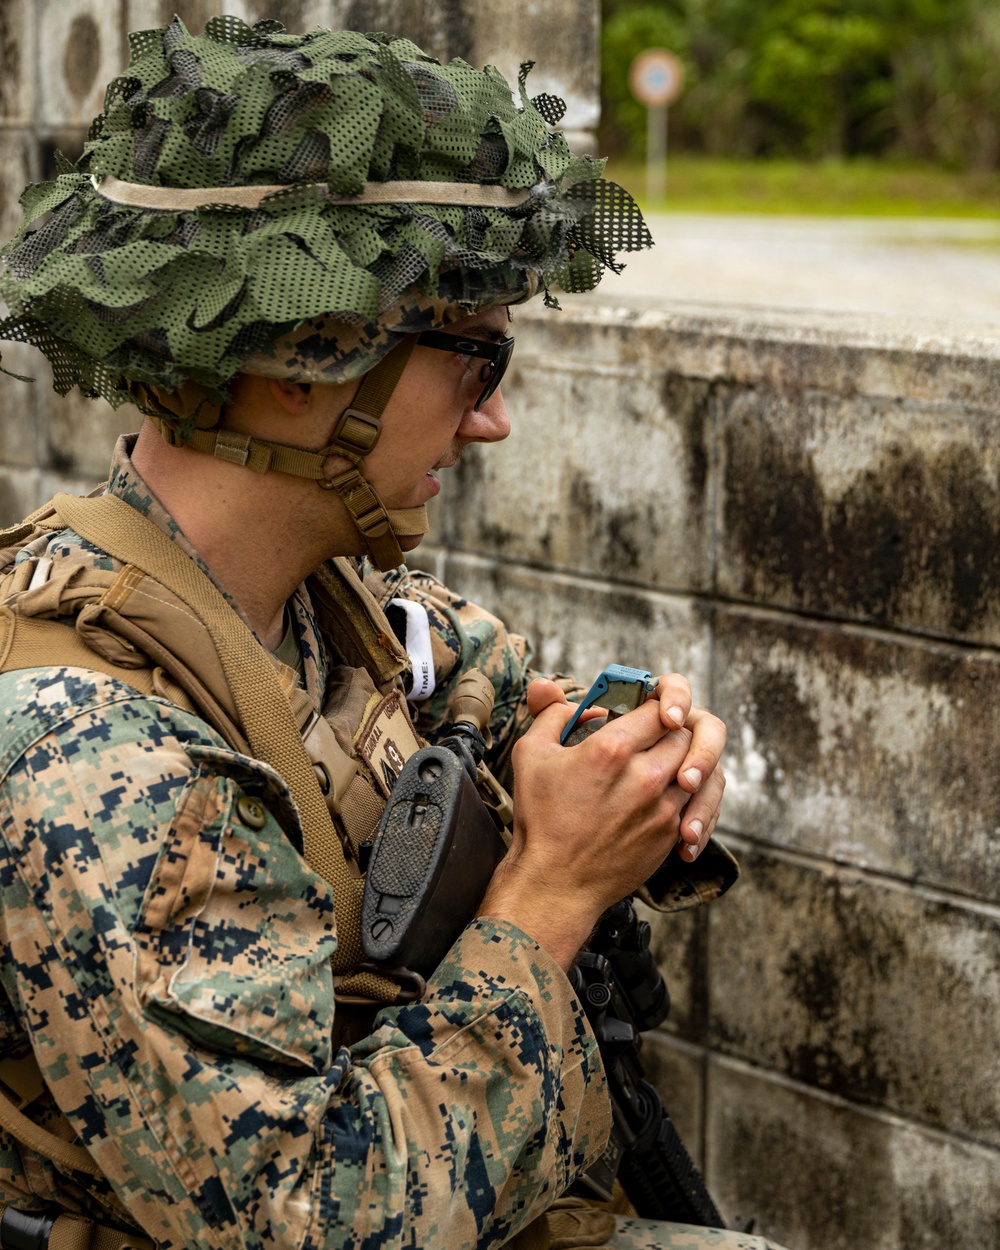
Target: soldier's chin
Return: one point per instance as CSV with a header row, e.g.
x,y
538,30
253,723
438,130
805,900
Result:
x,y
408,541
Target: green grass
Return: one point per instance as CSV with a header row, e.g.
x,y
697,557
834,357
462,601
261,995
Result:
x,y
839,188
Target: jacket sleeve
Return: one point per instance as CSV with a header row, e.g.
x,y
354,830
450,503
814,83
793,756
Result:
x,y
168,956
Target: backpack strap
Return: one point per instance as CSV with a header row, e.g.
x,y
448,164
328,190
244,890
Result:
x,y
37,643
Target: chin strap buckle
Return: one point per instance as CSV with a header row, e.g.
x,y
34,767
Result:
x,y
356,433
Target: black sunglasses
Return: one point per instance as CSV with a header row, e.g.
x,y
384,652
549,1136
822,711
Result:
x,y
497,356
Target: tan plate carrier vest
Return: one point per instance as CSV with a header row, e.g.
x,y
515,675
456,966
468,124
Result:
x,y
136,626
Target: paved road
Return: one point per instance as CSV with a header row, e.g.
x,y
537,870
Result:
x,y
946,271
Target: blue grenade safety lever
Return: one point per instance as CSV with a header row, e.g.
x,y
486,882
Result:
x,y
619,688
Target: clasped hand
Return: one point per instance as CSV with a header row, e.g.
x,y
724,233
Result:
x,y
593,821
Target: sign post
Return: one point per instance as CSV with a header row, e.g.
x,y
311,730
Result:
x,y
656,79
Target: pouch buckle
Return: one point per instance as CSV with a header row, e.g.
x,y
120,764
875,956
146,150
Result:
x,y
20,1230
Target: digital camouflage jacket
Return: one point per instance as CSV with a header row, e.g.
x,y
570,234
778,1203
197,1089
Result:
x,y
167,958
169,962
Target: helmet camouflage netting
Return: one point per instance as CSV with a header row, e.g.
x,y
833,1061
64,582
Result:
x,y
114,294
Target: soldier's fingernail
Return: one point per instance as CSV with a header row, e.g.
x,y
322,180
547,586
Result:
x,y
697,828
693,777
676,715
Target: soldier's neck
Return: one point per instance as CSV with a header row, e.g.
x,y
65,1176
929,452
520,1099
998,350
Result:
x,y
260,534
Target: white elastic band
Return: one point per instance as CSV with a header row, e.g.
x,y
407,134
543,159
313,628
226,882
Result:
x,y
183,199
418,648
41,574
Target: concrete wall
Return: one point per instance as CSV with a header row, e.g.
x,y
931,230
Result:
x,y
804,518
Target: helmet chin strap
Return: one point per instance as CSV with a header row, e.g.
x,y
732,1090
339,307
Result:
x,y
357,431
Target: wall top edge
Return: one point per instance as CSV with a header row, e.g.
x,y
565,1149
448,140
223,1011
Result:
x,y
805,327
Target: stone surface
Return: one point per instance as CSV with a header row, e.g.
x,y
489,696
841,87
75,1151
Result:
x,y
18,166
781,503
561,36
21,404
577,627
848,474
885,996
82,433
878,510
81,46
52,483
791,353
150,14
605,470
20,493
874,751
296,16
819,1174
17,76
680,947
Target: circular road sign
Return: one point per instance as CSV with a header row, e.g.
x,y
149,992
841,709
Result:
x,y
656,77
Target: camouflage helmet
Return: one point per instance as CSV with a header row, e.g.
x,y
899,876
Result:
x,y
295,206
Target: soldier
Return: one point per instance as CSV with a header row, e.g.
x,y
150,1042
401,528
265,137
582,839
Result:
x,y
297,255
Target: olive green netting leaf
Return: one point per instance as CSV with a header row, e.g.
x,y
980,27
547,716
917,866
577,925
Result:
x,y
112,293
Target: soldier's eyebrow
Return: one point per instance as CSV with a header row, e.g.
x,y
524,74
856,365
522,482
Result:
x,y
489,334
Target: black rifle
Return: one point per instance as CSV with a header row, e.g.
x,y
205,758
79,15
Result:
x,y
623,995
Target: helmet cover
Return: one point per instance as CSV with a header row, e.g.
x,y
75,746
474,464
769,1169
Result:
x,y
303,285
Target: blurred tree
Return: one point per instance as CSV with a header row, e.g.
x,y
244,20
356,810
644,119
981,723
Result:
x,y
819,74
814,78
947,93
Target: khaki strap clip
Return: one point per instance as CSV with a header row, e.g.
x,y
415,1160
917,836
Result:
x,y
356,432
232,446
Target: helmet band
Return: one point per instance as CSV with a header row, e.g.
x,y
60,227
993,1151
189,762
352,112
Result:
x,y
184,199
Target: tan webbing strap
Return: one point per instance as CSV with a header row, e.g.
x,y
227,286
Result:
x,y
356,493
64,1153
463,194
409,522
21,1084
19,532
258,454
378,384
370,516
263,707
361,809
357,431
33,642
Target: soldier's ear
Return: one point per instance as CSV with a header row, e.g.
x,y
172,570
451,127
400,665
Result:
x,y
294,397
